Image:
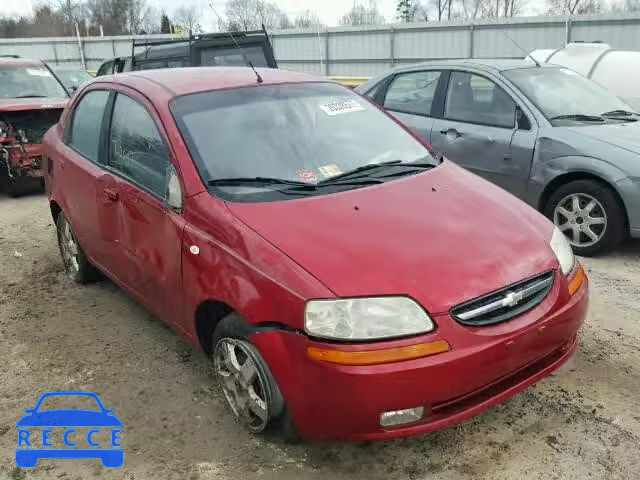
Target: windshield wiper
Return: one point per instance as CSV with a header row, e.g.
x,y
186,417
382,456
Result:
x,y
31,96
618,113
255,180
580,117
373,166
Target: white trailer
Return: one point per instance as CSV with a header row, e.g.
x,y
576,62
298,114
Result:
x,y
616,70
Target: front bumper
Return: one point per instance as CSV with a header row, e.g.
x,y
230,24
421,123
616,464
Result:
x,y
486,366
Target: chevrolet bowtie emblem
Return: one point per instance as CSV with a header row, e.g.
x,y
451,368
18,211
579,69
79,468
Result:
x,y
511,299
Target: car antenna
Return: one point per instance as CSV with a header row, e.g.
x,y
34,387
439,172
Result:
x,y
521,49
258,77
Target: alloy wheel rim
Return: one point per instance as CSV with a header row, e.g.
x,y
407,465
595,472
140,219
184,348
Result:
x,y
242,383
69,248
582,219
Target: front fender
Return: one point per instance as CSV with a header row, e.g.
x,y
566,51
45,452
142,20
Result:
x,y
543,173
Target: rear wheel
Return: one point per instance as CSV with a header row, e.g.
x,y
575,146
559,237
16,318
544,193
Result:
x,y
589,214
75,261
247,384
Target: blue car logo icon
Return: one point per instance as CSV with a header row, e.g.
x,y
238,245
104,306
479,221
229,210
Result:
x,y
69,418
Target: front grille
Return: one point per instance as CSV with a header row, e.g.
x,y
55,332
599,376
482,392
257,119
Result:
x,y
32,123
504,304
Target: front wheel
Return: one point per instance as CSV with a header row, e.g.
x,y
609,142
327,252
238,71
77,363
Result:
x,y
589,214
246,382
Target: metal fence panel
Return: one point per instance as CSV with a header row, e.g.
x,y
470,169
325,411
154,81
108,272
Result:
x,y
621,35
431,43
366,51
359,45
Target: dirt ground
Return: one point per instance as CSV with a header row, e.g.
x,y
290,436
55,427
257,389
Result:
x,y
583,422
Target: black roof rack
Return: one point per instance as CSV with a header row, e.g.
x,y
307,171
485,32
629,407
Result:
x,y
199,37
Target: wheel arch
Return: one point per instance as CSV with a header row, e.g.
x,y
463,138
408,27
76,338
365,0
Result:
x,y
208,315
55,210
211,312
568,177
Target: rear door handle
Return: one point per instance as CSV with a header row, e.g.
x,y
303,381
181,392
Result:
x,y
110,194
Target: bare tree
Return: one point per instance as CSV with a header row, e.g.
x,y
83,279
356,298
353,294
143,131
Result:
x,y
442,9
307,19
574,7
473,9
252,14
187,18
150,21
625,6
361,14
72,12
412,11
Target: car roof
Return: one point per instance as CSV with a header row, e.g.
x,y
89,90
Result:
x,y
19,62
183,81
497,65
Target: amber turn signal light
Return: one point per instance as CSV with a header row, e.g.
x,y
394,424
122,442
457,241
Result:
x,y
375,357
577,280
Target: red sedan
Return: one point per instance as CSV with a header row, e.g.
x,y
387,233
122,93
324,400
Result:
x,y
347,281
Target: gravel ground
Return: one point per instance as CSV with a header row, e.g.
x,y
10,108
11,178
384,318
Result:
x,y
582,422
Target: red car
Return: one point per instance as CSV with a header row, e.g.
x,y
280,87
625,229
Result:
x,y
31,100
348,282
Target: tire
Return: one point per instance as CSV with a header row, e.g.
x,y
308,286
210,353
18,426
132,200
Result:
x,y
76,264
15,188
20,186
596,203
233,332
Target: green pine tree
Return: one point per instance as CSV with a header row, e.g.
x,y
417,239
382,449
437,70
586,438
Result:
x,y
165,25
403,10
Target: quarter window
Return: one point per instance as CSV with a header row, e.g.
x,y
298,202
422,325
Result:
x,y
476,99
412,92
84,134
136,148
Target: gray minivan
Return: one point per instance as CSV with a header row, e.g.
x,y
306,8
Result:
x,y
548,135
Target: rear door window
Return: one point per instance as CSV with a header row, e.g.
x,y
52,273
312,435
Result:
x,y
412,92
84,132
136,149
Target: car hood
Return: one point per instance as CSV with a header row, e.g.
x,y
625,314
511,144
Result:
x,y
21,104
69,418
623,135
442,237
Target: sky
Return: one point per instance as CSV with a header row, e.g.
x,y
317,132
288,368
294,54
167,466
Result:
x,y
329,11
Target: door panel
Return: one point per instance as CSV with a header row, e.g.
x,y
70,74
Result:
x,y
151,246
151,233
479,132
83,179
410,97
418,123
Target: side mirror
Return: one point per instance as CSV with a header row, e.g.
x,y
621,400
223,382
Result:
x,y
174,190
522,121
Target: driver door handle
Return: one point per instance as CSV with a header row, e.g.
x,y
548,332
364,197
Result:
x,y
451,131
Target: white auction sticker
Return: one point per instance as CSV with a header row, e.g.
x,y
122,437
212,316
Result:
x,y
39,72
341,106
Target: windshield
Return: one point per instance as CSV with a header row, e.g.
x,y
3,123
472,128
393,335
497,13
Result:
x,y
72,77
29,81
297,133
559,92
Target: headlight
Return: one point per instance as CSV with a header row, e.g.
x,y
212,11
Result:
x,y
562,250
366,318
